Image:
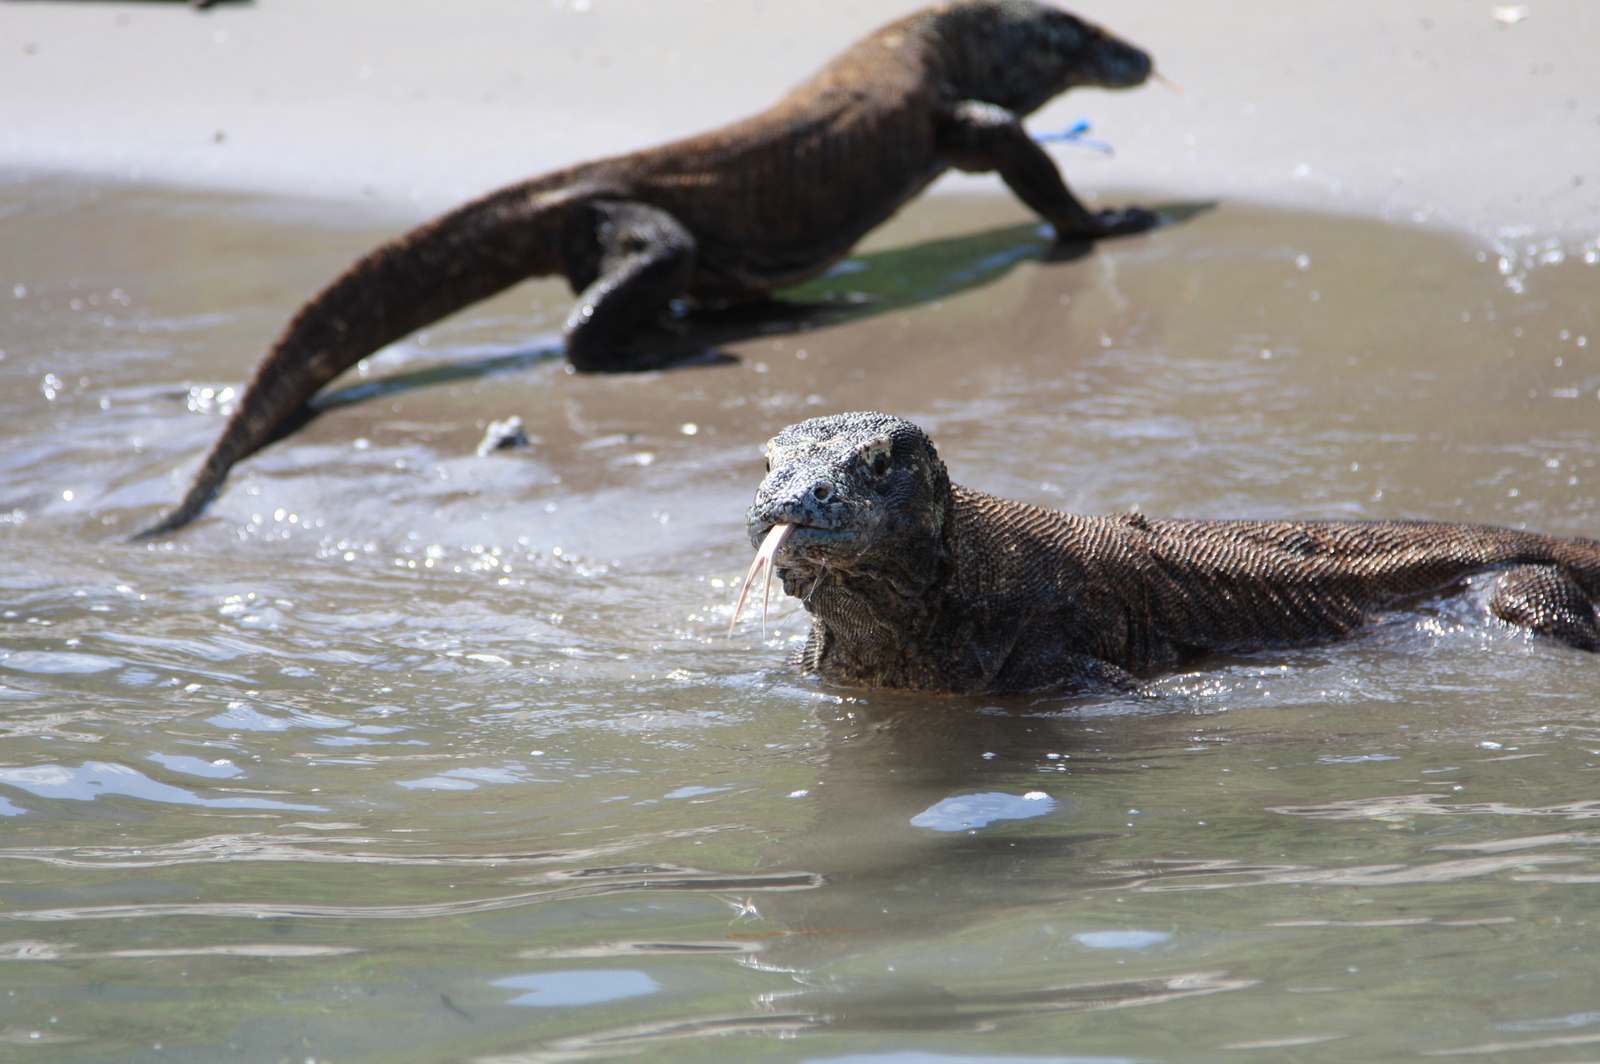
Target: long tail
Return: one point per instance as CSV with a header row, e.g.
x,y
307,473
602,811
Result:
x,y
1462,550
451,262
1417,556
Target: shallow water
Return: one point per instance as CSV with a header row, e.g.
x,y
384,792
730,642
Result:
x,y
408,754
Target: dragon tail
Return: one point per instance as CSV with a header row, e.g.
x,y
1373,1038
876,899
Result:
x,y
455,260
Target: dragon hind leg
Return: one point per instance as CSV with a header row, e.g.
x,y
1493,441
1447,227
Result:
x,y
627,261
1547,600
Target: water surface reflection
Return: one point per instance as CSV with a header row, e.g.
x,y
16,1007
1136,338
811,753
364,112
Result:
x,y
412,754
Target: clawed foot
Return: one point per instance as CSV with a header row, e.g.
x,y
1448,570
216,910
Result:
x,y
1129,220
1113,223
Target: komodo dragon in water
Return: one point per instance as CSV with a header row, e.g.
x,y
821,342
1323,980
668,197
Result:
x,y
916,584
723,217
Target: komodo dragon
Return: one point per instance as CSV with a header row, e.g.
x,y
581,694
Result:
x,y
916,584
723,217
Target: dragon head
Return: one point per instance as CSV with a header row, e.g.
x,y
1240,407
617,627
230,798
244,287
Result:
x,y
851,488
1020,53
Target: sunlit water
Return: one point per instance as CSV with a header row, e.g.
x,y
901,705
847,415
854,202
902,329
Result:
x,y
407,754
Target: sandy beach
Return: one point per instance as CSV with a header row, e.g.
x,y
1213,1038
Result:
x,y
1478,117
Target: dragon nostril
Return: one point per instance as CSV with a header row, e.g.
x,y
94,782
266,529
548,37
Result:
x,y
822,491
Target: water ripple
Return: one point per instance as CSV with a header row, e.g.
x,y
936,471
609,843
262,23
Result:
x,y
215,849
1226,875
816,1012
610,882
1424,805
95,779
36,950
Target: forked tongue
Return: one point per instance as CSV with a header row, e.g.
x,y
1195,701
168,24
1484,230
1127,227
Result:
x,y
763,559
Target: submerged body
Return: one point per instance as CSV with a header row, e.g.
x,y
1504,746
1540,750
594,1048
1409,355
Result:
x,y
916,584
728,215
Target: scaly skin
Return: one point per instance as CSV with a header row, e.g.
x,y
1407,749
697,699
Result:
x,y
725,216
916,584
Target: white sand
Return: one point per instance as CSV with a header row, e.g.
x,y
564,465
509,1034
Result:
x,y
1421,112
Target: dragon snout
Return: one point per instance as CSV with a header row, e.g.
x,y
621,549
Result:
x,y
804,501
1119,65
1130,69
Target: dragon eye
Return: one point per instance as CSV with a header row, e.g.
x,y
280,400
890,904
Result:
x,y
880,464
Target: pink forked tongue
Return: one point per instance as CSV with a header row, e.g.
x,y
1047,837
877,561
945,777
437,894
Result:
x,y
763,559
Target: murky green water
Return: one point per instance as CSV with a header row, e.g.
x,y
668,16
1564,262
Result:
x,y
405,754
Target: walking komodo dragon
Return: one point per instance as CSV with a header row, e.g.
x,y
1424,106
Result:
x,y
917,584
724,217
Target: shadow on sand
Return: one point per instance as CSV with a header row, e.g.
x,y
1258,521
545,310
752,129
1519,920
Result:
x,y
854,289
